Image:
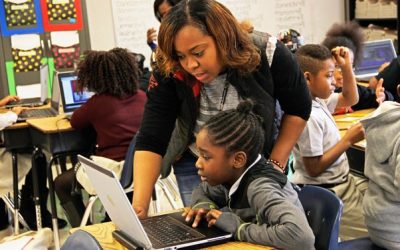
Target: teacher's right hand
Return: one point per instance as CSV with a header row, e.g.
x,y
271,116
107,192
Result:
x,y
151,35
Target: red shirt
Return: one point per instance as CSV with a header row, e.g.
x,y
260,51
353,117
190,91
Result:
x,y
115,121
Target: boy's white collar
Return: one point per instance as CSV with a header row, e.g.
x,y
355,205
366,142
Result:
x,y
237,182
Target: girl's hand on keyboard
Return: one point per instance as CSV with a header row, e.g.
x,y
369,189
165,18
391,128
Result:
x,y
195,214
212,217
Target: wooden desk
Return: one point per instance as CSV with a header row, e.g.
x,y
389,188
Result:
x,y
103,233
343,122
356,153
56,136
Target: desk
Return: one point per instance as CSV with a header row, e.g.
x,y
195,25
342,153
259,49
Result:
x,y
356,153
103,233
56,136
343,122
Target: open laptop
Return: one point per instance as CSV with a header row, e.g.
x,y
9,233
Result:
x,y
375,53
35,101
71,98
44,112
149,233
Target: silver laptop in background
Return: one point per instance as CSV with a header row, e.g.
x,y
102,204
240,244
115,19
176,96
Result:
x,y
52,111
36,101
375,53
134,233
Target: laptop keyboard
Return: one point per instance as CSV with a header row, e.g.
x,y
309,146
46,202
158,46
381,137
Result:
x,y
166,230
35,113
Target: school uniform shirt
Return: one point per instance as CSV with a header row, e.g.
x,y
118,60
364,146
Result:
x,y
261,207
319,135
115,120
382,167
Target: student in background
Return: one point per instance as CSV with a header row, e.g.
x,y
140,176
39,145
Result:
x,y
351,36
161,8
291,38
27,208
241,192
202,72
319,154
391,79
382,167
115,112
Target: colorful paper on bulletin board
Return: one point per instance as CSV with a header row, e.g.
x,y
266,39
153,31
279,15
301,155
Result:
x,y
20,17
12,90
65,48
26,52
61,15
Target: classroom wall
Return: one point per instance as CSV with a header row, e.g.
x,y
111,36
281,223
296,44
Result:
x,y
124,22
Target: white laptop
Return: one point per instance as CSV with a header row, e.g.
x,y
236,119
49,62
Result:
x,y
52,111
149,233
71,98
375,53
35,94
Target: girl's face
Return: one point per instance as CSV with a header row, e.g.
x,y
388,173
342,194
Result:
x,y
197,54
213,164
322,84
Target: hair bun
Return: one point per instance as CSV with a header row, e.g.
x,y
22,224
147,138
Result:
x,y
245,106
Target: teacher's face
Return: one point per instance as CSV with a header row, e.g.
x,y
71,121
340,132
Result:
x,y
197,54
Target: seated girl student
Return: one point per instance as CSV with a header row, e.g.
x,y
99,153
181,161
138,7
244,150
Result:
x,y
115,112
241,192
201,71
382,167
351,36
27,208
319,154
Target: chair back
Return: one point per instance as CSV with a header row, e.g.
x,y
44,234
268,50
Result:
x,y
323,211
127,170
81,240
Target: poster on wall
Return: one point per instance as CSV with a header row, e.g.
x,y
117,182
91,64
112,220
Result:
x,y
61,15
20,17
27,52
65,48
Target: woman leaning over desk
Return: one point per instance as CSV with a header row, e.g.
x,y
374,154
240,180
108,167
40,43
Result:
x,y
210,66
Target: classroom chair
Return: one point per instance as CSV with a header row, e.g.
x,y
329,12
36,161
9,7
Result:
x,y
364,243
323,211
81,240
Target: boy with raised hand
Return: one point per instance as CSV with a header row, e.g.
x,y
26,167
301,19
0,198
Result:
x,y
319,154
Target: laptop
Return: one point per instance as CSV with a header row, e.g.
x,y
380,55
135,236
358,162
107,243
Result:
x,y
71,98
153,233
44,112
375,53
36,101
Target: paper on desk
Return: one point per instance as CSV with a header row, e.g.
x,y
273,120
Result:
x,y
17,244
348,119
29,91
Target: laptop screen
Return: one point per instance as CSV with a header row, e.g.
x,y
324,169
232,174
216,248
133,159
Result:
x,y
71,97
375,53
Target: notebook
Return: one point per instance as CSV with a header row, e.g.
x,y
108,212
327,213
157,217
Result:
x,y
44,112
71,98
149,233
36,101
375,53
